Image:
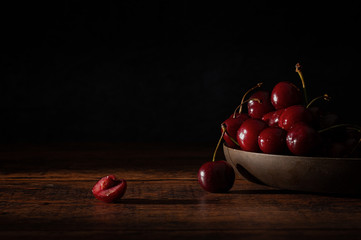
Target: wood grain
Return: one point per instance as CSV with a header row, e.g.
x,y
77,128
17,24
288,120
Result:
x,y
45,192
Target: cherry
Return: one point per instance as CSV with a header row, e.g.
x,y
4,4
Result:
x,y
256,109
324,119
285,94
247,134
272,140
216,176
328,119
230,126
109,189
272,118
333,149
294,114
341,140
302,139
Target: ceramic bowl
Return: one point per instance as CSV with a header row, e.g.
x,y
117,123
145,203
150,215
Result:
x,y
309,174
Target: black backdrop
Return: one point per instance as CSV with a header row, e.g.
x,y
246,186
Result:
x,y
163,70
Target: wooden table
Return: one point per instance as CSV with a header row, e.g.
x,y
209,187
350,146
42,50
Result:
x,y
45,193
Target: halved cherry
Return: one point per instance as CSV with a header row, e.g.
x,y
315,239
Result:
x,y
109,189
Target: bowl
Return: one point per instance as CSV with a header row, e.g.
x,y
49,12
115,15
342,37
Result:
x,y
299,173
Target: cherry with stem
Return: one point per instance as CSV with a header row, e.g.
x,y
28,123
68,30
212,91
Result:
x,y
231,125
244,96
216,176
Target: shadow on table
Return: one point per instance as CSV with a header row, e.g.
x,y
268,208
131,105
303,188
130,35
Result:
x,y
292,192
160,201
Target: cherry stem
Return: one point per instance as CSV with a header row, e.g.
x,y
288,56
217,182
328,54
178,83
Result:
x,y
356,146
324,97
219,142
234,141
298,70
251,99
244,96
349,126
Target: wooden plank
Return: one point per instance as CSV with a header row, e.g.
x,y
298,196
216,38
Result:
x,y
163,201
166,204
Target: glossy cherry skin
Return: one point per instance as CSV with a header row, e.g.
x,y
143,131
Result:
x,y
302,139
247,134
216,177
323,119
285,94
109,189
272,118
232,124
272,140
258,109
293,115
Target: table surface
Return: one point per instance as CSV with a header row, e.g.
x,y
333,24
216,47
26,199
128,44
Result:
x,y
45,192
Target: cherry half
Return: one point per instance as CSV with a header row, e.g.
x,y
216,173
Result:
x,y
247,134
256,109
272,140
109,189
285,94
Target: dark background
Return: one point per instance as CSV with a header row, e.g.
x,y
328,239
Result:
x,y
163,70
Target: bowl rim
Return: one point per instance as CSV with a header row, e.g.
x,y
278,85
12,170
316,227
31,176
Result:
x,y
292,156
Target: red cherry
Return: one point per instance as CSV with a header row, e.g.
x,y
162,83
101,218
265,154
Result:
x,y
272,140
302,139
216,176
231,125
328,119
109,189
256,109
321,118
285,94
294,114
341,140
247,134
272,118
333,149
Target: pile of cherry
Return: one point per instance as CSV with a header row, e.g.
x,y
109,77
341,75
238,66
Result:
x,y
280,121
283,121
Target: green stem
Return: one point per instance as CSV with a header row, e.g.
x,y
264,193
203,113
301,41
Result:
x,y
298,70
234,141
324,96
219,142
251,99
346,125
244,96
